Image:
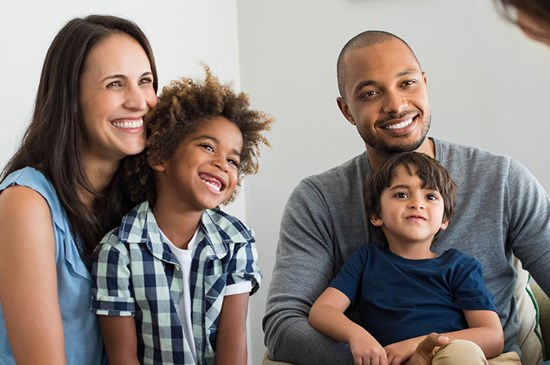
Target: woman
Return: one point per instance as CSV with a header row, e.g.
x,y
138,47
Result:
x,y
62,190
532,16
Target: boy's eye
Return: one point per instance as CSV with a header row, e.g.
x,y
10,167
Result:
x,y
400,195
233,162
431,197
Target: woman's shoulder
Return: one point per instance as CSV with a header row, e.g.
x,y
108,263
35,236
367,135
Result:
x,y
29,189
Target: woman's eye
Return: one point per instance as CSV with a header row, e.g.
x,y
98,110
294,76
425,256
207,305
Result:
x,y
114,84
146,80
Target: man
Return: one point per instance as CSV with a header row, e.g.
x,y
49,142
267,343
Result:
x,y
501,209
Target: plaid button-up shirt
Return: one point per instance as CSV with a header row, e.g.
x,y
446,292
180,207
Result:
x,y
137,275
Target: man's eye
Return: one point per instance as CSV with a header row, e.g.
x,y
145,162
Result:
x,y
369,94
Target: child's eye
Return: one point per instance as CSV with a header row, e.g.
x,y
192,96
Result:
x,y
401,195
207,147
233,162
432,197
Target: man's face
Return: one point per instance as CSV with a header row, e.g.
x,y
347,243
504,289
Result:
x,y
386,97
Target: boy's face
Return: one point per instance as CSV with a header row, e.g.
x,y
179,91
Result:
x,y
203,171
410,214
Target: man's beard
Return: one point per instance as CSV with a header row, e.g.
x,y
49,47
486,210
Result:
x,y
381,145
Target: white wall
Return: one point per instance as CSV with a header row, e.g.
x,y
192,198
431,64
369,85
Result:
x,y
489,86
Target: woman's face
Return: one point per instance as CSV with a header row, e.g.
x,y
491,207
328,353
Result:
x,y
116,91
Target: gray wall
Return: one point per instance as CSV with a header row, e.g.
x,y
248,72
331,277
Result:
x,y
489,86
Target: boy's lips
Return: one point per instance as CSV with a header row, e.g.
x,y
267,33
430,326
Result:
x,y
417,217
214,183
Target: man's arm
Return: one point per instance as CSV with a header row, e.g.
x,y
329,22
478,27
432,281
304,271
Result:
x,y
303,269
530,224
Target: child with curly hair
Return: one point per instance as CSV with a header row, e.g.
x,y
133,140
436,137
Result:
x,y
172,281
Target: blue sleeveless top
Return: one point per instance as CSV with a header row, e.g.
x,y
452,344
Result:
x,y
83,341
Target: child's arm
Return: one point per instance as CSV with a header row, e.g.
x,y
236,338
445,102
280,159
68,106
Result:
x,y
120,337
327,316
231,335
484,329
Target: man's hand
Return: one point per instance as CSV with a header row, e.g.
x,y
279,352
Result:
x,y
426,349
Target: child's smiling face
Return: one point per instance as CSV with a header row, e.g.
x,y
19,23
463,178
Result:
x,y
203,171
411,213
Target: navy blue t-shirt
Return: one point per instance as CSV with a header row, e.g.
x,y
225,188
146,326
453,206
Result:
x,y
400,298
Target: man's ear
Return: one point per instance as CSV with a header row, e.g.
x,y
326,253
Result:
x,y
376,221
343,106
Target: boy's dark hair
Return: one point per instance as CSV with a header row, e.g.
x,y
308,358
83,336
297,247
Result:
x,y
183,106
432,174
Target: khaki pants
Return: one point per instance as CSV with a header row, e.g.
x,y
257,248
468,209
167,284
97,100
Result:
x,y
463,352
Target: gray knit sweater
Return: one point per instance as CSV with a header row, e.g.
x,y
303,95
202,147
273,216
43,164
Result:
x,y
501,210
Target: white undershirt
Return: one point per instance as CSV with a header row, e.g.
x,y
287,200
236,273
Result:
x,y
184,258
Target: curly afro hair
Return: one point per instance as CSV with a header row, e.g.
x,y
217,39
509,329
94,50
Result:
x,y
183,105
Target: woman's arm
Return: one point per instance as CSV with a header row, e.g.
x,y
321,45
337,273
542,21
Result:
x,y
120,337
28,278
327,316
231,335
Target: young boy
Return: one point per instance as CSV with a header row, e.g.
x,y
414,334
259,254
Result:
x,y
173,280
404,290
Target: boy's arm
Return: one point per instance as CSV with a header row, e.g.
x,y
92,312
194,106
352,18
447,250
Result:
x,y
327,316
484,329
120,337
231,335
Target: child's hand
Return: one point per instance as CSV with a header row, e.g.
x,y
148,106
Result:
x,y
366,350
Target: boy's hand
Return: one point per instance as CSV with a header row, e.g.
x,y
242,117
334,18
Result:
x,y
366,350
